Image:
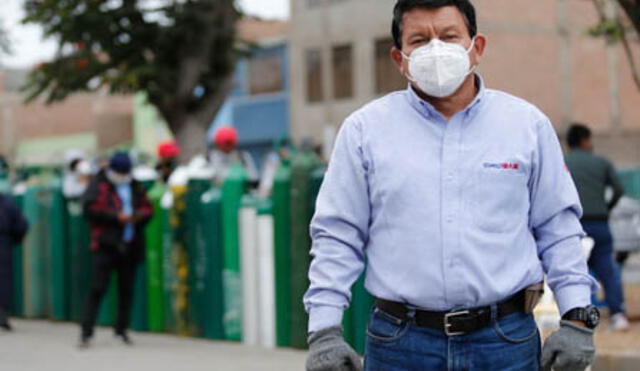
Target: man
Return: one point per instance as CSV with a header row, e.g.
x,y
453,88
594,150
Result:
x,y
273,160
592,174
13,228
459,198
225,140
168,153
77,171
117,209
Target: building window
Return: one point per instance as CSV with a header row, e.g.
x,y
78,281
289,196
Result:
x,y
342,58
314,75
388,78
265,74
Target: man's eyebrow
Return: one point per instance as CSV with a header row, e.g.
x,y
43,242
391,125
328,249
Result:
x,y
450,28
416,33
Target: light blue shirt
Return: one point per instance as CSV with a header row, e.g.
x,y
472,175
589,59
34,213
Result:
x,y
449,215
124,192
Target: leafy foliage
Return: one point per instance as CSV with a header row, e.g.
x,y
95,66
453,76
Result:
x,y
615,29
181,53
5,45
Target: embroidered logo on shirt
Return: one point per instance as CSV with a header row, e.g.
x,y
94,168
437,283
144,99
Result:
x,y
503,165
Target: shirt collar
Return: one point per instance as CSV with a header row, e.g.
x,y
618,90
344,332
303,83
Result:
x,y
426,108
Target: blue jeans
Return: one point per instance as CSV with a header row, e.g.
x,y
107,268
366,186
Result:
x,y
602,263
509,343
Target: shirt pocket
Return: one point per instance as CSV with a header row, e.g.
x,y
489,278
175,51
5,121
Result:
x,y
500,199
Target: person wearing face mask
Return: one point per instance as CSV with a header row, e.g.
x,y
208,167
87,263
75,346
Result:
x,y
117,209
455,253
76,175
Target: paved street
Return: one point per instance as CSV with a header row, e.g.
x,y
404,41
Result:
x,y
37,345
49,346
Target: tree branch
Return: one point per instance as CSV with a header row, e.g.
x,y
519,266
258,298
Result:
x,y
207,112
632,62
632,9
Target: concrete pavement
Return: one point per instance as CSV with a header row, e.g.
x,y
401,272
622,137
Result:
x,y
38,345
49,346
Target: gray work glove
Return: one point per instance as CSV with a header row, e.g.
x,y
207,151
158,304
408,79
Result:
x,y
329,352
569,349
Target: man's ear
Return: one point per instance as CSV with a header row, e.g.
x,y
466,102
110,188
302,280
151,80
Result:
x,y
398,59
478,48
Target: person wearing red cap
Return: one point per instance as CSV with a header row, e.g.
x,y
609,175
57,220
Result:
x,y
225,140
168,153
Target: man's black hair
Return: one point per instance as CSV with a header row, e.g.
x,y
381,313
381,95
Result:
x,y
404,6
74,164
4,164
576,134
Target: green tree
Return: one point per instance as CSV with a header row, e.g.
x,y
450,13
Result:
x,y
181,53
616,27
5,46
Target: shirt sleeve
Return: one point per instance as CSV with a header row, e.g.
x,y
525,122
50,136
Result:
x,y
555,221
339,230
614,181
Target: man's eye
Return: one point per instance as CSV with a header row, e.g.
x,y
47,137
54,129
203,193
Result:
x,y
450,37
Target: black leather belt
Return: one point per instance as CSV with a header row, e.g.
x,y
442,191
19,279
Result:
x,y
456,322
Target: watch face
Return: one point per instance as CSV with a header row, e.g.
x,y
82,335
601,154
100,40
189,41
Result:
x,y
593,316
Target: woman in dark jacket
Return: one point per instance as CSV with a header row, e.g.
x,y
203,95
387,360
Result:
x,y
13,228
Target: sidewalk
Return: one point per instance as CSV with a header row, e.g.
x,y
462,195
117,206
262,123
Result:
x,y
621,351
37,345
48,346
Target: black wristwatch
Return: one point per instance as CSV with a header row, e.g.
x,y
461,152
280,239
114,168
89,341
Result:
x,y
589,315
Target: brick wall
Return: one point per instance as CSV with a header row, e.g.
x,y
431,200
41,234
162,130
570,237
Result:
x,y
110,117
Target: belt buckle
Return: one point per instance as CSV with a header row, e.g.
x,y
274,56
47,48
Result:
x,y
447,325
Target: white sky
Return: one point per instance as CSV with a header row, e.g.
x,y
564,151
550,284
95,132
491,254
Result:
x,y
29,48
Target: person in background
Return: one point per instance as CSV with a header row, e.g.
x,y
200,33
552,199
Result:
x,y
117,209
76,176
13,228
592,174
225,153
4,165
5,184
168,153
280,153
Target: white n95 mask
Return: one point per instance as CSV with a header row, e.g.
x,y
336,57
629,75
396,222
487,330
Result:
x,y
439,68
118,179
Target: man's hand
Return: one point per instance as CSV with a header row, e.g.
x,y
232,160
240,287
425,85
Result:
x,y
329,352
137,218
569,349
124,218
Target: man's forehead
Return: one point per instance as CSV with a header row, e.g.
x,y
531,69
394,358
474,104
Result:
x,y
421,19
